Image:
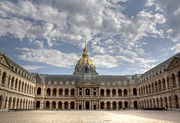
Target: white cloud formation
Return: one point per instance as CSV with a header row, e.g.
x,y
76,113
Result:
x,y
176,48
73,21
33,67
171,11
48,56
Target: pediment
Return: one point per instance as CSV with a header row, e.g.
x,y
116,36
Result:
x,y
87,83
174,63
3,61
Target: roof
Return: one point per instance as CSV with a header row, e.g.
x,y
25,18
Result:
x,y
78,78
162,66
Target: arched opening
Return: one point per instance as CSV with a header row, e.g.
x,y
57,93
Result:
x,y
87,92
66,105
39,91
4,78
167,80
1,100
119,92
159,84
108,105
161,102
59,105
135,104
37,104
16,83
152,87
53,105
125,93
12,82
165,102
108,92
87,105
156,89
102,92
102,105
54,92
120,104
60,92
72,105
72,92
176,101
134,91
66,92
170,102
125,104
47,105
10,103
163,84
114,92
14,101
19,85
173,80
48,92
114,105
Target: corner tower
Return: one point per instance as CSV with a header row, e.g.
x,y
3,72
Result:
x,y
85,65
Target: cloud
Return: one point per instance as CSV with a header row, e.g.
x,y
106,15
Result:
x,y
105,61
176,48
33,67
171,11
48,56
73,21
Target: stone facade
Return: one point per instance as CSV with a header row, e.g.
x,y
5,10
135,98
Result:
x,y
157,88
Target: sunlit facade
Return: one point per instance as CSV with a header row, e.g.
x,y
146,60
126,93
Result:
x,y
86,89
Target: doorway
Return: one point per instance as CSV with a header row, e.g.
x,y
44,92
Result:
x,y
87,105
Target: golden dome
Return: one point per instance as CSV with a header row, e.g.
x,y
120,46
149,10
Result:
x,y
85,64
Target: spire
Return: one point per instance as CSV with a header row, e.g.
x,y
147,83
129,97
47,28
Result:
x,y
85,50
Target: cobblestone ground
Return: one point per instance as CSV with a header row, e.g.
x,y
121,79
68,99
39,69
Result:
x,y
126,116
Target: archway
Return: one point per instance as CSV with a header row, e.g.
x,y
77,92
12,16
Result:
x,y
125,104
114,105
39,91
66,105
1,100
87,92
108,92
102,92
135,105
47,105
87,105
119,92
102,105
54,92
53,105
60,105
108,105
72,105
37,104
48,92
125,92
120,105
176,101
10,103
134,91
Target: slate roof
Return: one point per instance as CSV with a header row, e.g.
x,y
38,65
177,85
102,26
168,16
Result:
x,y
14,66
78,78
162,66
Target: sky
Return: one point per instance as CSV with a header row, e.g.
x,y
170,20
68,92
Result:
x,y
124,37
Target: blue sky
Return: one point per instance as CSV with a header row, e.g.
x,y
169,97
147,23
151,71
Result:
x,y
124,36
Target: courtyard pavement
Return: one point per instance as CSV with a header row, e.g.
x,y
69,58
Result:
x,y
124,116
